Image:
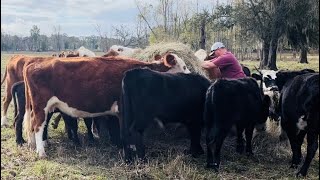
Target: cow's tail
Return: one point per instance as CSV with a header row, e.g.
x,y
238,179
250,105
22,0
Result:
x,y
13,92
27,119
208,107
125,108
4,76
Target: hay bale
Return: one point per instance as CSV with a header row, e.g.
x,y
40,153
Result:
x,y
180,49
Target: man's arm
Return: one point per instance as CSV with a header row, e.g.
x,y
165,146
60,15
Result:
x,y
208,65
213,70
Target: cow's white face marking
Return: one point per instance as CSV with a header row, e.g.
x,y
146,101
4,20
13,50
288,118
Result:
x,y
302,124
4,121
54,103
180,66
274,97
39,141
268,75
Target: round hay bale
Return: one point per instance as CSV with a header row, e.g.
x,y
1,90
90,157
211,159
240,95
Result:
x,y
180,49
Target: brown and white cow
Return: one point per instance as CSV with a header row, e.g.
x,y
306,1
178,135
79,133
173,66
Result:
x,y
13,74
61,85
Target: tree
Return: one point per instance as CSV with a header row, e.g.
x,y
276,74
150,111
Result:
x,y
124,35
303,26
34,35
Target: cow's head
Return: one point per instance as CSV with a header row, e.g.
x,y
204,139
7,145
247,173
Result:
x,y
175,63
270,89
268,78
284,76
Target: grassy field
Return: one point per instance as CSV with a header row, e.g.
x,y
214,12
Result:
x,y
164,151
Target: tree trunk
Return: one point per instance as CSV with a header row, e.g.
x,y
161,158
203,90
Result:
x,y
265,54
303,55
203,35
273,55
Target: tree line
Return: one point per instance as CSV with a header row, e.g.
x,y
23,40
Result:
x,y
252,29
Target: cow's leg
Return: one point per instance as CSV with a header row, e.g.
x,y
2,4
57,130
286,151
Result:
x,y
114,130
240,140
249,133
45,132
18,126
296,154
88,122
140,149
6,101
127,147
300,139
71,125
195,133
219,136
209,142
312,147
39,126
56,121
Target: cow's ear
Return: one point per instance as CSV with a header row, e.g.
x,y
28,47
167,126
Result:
x,y
157,57
256,76
169,60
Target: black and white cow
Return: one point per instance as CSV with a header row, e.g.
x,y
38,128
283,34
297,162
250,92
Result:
x,y
149,96
238,102
271,89
299,109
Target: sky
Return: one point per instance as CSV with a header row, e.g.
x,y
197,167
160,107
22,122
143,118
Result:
x,y
75,17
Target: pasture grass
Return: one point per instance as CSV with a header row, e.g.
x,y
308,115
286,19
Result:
x,y
164,151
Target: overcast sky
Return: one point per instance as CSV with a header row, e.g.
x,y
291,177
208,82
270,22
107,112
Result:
x,y
75,17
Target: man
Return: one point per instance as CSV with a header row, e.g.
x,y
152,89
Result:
x,y
224,64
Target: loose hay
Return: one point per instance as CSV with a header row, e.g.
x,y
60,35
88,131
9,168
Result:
x,y
180,49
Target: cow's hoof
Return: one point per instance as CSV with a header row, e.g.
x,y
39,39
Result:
x,y
42,155
4,121
20,142
294,166
249,153
214,166
302,173
45,143
32,146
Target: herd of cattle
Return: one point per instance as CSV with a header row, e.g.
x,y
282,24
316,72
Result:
x,y
124,96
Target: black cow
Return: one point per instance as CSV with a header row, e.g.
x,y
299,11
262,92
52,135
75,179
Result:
x,y
162,97
71,124
230,102
299,109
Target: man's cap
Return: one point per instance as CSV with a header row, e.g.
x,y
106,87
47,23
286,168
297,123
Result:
x,y
216,46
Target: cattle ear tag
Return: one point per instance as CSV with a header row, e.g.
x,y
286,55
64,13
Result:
x,y
169,60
